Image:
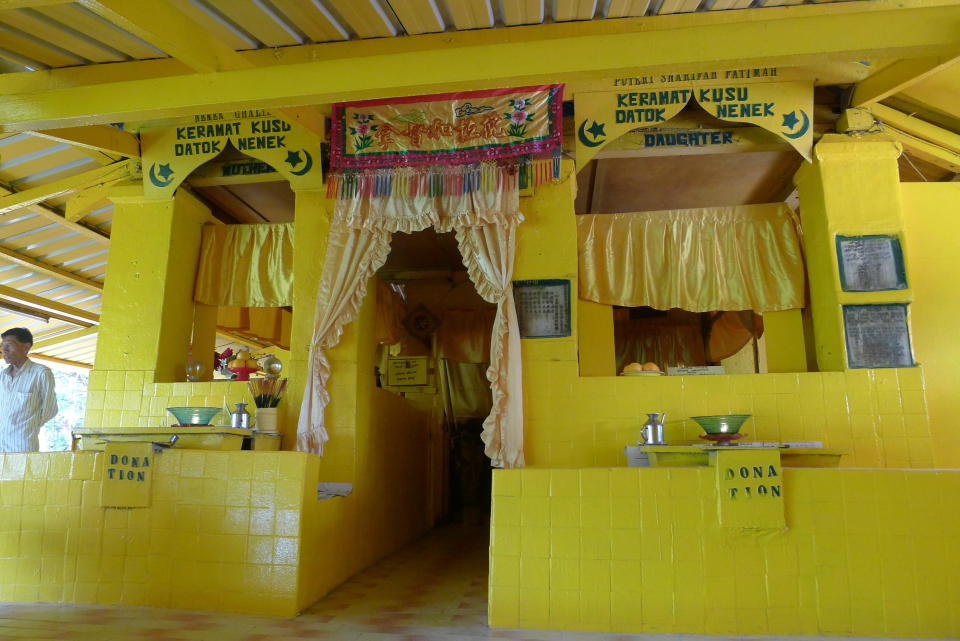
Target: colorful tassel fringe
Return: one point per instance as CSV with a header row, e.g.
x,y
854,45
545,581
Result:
x,y
443,180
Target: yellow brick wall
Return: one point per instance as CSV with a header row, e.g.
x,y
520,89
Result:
x,y
866,552
223,532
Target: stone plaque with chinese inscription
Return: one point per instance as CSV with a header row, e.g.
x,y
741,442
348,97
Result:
x,y
870,263
877,335
543,307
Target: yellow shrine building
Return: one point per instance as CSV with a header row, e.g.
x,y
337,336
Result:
x,y
432,211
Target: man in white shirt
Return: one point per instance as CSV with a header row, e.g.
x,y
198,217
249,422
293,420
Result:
x,y
27,397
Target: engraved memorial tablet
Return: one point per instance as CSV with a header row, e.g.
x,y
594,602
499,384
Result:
x,y
870,263
877,335
543,307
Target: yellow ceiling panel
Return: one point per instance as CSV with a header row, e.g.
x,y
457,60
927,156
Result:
x,y
471,14
310,20
721,5
94,27
43,169
781,3
9,228
35,26
33,50
261,24
574,10
523,12
418,16
365,18
214,27
679,6
627,8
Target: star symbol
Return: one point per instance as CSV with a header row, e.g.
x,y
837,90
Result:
x,y
596,129
293,158
165,171
790,120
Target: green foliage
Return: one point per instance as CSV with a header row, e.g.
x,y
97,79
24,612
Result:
x,y
71,385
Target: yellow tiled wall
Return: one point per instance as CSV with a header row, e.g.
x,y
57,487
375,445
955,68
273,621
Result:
x,y
878,416
865,552
223,531
131,398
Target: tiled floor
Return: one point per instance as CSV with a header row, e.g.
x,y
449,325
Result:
x,y
433,590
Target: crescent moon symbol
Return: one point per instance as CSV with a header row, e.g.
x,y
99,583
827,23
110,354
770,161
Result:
x,y
308,165
583,137
156,181
803,127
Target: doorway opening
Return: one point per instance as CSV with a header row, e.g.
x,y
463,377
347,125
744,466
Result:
x,y
446,326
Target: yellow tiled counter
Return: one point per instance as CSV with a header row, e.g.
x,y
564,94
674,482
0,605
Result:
x,y
234,531
865,552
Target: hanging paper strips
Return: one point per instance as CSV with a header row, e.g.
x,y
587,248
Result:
x,y
443,180
447,128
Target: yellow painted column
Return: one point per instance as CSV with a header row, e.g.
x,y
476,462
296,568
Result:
x,y
595,339
311,226
783,335
148,311
852,188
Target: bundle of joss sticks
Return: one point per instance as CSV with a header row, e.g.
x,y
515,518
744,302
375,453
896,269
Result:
x,y
267,392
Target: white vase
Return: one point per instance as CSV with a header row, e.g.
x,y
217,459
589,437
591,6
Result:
x,y
266,419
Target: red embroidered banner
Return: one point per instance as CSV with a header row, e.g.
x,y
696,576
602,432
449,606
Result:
x,y
447,128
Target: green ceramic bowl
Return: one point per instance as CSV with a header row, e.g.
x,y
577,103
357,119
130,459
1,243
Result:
x,y
721,423
194,415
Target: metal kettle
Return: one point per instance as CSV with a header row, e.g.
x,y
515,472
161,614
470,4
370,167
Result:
x,y
240,418
652,430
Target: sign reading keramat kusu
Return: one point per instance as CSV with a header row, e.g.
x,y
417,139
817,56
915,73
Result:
x,y
171,153
783,108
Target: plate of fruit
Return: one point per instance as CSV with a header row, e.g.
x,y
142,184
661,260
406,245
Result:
x,y
642,369
243,365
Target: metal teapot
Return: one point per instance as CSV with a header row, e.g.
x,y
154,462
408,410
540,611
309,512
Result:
x,y
240,418
652,430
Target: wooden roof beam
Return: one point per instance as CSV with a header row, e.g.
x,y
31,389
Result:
x,y
50,270
68,337
897,77
36,195
47,307
102,138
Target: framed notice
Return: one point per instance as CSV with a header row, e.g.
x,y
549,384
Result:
x,y
877,336
407,371
870,263
543,307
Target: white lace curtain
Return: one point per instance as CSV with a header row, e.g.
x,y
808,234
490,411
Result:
x,y
485,222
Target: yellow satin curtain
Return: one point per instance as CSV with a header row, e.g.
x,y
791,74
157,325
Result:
x,y
711,259
246,266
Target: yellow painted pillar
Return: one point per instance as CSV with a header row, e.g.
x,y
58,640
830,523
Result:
x,y
783,335
595,339
852,188
311,226
148,311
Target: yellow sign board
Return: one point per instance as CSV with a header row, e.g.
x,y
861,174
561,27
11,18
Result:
x,y
171,153
784,108
127,475
749,488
